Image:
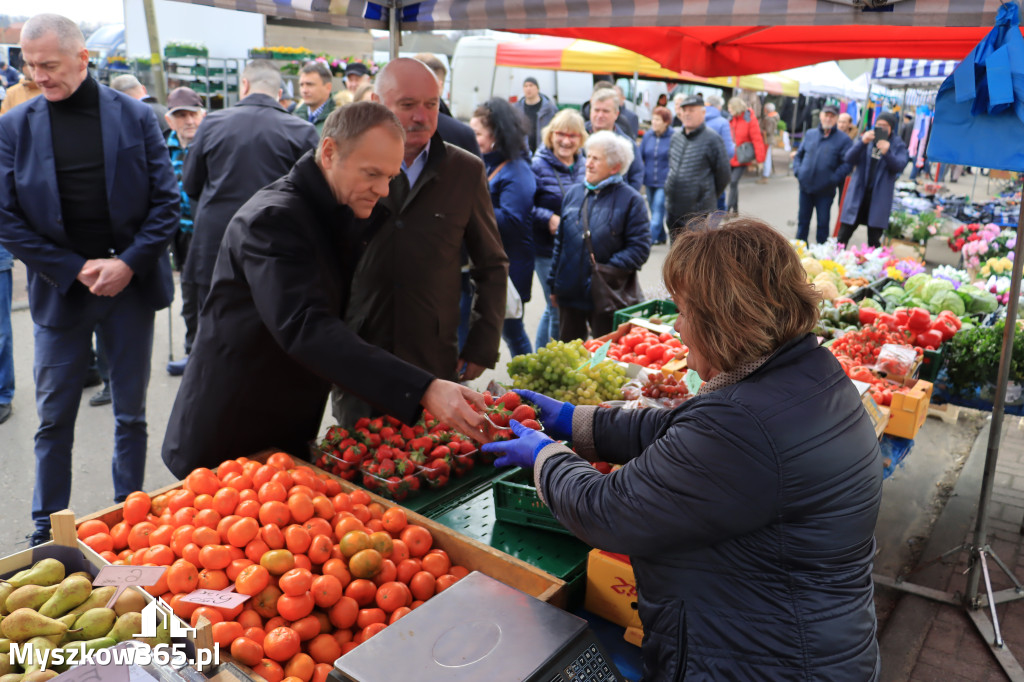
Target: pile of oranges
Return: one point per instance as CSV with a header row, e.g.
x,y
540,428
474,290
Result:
x,y
325,570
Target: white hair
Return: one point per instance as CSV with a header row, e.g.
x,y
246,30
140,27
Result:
x,y
263,77
769,107
69,36
678,100
125,83
617,150
714,101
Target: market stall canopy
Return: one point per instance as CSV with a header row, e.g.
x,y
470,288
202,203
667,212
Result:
x,y
827,80
911,72
569,54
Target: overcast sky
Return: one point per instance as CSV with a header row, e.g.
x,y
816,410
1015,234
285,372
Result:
x,y
101,11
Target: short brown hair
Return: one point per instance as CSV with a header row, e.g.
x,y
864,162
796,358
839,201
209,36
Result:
x,y
662,113
741,288
347,124
435,64
319,68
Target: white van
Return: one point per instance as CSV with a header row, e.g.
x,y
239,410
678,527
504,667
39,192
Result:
x,y
475,78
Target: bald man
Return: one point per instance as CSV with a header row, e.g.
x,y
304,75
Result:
x,y
405,294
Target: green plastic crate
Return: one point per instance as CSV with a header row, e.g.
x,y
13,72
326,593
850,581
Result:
x,y
657,306
516,501
931,362
561,556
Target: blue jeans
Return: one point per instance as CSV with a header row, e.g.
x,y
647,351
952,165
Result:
x,y
6,340
465,309
125,323
514,333
656,197
821,204
547,330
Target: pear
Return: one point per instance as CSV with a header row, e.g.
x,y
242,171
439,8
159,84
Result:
x,y
70,593
94,623
130,600
91,645
12,677
40,676
6,665
26,623
126,626
99,597
163,636
30,597
5,645
41,646
44,573
84,574
5,591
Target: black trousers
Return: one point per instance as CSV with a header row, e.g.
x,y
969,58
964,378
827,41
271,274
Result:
x,y
573,322
192,296
846,231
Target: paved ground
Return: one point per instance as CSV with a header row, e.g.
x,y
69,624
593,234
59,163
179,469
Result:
x,y
913,499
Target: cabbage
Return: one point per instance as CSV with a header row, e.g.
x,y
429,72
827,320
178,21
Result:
x,y
935,286
894,292
983,302
947,300
811,266
916,284
871,303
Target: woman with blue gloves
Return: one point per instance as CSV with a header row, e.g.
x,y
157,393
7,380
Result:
x,y
748,511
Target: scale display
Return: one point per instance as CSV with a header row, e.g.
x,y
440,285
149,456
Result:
x,y
481,629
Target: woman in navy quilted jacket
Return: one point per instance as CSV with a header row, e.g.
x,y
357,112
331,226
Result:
x,y
748,512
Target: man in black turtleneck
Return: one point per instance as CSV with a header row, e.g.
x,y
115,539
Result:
x,y
95,244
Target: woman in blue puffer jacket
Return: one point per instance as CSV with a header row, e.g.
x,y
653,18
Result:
x,y
558,165
620,234
501,133
654,148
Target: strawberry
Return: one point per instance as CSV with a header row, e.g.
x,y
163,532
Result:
x,y
387,432
396,423
499,416
466,447
441,451
376,425
387,468
523,413
336,434
407,432
531,424
362,424
510,400
488,398
404,466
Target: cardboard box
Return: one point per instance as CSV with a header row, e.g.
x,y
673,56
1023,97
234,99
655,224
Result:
x,y
878,413
611,589
909,410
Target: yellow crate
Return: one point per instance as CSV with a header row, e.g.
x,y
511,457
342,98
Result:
x,y
611,589
909,410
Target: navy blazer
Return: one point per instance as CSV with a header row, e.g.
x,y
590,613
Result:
x,y
141,192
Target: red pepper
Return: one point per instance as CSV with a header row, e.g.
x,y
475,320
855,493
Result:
x,y
861,373
867,315
919,319
891,321
902,315
929,337
953,319
944,326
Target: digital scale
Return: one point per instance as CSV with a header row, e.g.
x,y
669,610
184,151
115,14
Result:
x,y
480,629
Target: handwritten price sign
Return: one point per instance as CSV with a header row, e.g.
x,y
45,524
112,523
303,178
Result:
x,y
124,577
222,598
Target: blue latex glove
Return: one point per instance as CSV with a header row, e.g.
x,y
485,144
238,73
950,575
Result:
x,y
556,416
522,451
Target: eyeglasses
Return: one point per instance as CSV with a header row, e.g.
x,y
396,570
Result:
x,y
571,136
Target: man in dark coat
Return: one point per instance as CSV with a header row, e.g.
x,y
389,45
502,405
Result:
x,y
820,167
235,153
876,165
88,202
315,90
272,340
604,110
538,110
698,168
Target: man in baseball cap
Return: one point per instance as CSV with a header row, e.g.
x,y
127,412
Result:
x,y
820,168
356,74
185,112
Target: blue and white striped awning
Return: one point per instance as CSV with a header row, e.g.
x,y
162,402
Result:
x,y
912,69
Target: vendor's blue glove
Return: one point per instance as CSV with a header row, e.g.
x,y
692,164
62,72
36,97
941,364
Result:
x,y
522,451
556,416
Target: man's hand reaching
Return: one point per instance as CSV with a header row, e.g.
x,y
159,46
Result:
x,y
453,404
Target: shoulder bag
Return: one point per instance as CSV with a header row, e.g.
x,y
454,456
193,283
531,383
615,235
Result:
x,y
611,288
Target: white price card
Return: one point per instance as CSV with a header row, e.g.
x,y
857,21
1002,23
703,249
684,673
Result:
x,y
124,577
225,599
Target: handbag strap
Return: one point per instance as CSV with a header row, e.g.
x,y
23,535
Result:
x,y
496,170
585,219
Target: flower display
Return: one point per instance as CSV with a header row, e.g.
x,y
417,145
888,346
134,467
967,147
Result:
x,y
997,266
951,274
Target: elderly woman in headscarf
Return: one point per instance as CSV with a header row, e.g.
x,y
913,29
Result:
x,y
878,158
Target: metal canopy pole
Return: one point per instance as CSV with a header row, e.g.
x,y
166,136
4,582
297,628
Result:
x,y
978,549
394,27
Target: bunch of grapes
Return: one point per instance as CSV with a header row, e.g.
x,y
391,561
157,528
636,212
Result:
x,y
555,370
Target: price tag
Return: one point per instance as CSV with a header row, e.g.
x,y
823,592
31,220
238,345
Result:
x,y
94,672
598,357
124,577
226,599
692,381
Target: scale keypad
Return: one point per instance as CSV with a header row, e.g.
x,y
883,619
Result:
x,y
590,666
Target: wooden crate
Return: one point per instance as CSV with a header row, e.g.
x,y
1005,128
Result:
x,y
462,550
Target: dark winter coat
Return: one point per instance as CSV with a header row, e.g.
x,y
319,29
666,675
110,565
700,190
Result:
x,y
405,295
654,152
620,232
454,131
271,339
554,179
881,183
746,128
749,515
512,189
236,152
698,173
820,164
715,121
544,115
635,174
302,111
